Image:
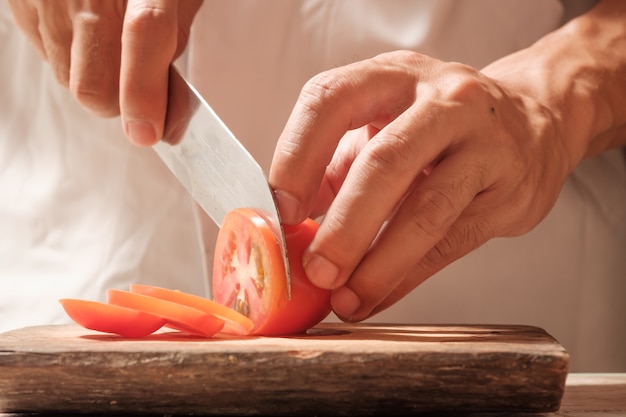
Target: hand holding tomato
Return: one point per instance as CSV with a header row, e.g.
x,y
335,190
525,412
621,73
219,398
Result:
x,y
415,162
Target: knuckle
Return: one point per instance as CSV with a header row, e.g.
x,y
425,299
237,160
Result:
x,y
97,91
146,18
465,87
403,57
320,90
481,231
468,85
468,235
390,152
460,240
432,213
337,247
437,257
101,101
472,180
94,77
523,212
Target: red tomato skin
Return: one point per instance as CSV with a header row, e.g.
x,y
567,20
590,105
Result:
x,y
309,304
109,318
271,310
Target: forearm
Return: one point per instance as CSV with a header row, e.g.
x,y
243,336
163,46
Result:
x,y
578,73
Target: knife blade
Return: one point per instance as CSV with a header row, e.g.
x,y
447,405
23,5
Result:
x,y
209,161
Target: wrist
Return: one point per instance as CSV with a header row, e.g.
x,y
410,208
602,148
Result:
x,y
578,75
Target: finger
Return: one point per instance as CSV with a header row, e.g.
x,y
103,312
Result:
x,y
420,223
149,42
335,174
506,207
379,177
378,180
465,235
95,57
329,105
26,18
55,28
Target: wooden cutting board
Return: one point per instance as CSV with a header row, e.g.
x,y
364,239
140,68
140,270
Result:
x,y
334,369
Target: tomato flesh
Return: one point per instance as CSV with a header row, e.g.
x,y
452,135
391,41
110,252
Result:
x,y
243,266
177,316
249,274
108,318
235,323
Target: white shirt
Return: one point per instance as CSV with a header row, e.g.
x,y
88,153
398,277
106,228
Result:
x,y
85,211
81,210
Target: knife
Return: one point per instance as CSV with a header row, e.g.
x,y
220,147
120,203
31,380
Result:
x,y
216,169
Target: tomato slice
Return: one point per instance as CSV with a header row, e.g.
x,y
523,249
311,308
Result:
x,y
249,275
235,323
178,316
109,318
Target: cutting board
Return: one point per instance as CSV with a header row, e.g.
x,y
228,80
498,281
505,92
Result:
x,y
333,369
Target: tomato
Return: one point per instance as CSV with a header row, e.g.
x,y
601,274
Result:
x,y
249,274
235,323
249,289
177,316
109,318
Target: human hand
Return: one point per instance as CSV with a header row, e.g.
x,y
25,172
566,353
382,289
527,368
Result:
x,y
113,55
415,162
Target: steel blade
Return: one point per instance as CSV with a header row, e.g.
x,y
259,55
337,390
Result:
x,y
211,163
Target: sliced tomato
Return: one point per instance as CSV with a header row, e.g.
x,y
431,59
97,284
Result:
x,y
177,316
235,323
249,275
109,318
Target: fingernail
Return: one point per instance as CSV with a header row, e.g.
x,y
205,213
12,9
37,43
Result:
x,y
141,133
321,272
345,303
288,206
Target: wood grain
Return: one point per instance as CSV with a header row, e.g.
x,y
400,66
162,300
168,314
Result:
x,y
335,369
595,393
